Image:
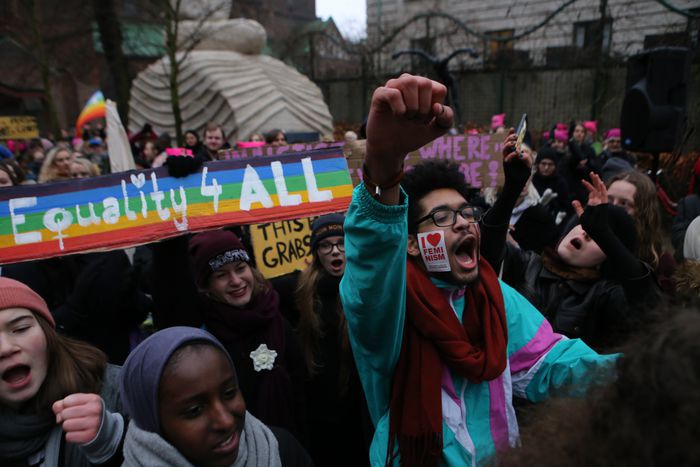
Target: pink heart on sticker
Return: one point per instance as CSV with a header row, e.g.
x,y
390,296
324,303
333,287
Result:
x,y
434,239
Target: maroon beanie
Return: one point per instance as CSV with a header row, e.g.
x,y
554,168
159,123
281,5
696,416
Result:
x,y
211,250
14,294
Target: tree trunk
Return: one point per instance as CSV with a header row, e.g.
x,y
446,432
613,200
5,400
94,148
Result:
x,y
171,25
44,68
111,38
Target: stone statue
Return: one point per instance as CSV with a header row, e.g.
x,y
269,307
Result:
x,y
225,79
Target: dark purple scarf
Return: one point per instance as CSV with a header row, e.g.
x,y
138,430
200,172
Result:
x,y
244,329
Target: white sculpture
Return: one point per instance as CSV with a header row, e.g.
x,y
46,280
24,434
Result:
x,y
226,80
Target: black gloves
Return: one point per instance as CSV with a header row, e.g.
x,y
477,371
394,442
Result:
x,y
182,166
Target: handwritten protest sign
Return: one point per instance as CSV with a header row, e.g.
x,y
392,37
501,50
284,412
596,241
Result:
x,y
243,153
282,247
478,156
131,208
20,127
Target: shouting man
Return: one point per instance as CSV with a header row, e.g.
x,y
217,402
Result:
x,y
440,343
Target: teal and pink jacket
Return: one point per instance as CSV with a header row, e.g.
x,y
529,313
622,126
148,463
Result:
x,y
478,419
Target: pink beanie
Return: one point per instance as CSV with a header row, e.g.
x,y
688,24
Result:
x,y
613,133
14,294
562,126
591,126
498,120
561,135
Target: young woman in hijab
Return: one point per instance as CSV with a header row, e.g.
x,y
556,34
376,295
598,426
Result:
x,y
220,290
181,389
51,410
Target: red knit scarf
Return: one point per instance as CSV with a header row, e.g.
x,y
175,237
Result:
x,y
433,336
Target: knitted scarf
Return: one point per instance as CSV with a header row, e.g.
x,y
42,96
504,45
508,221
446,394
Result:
x,y
258,448
23,435
433,336
553,263
244,329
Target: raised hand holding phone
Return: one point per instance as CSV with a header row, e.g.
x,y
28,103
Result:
x,y
520,132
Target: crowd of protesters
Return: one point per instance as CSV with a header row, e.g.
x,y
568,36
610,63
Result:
x,y
563,283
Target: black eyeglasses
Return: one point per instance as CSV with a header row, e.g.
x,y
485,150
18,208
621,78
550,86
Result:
x,y
327,247
446,217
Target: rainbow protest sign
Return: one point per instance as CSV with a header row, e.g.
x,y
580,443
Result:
x,y
131,208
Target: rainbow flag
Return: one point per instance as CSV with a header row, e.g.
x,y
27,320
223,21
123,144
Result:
x,y
94,108
136,207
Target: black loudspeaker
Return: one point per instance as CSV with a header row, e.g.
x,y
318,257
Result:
x,y
654,108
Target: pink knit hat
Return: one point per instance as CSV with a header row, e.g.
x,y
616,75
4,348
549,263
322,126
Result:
x,y
498,120
591,126
14,294
613,133
561,135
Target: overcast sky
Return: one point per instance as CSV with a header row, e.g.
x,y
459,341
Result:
x,y
349,15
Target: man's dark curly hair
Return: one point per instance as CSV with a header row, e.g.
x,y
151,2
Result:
x,y
427,177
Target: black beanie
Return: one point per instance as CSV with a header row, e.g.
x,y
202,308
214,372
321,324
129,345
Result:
x,y
547,153
623,226
620,223
326,226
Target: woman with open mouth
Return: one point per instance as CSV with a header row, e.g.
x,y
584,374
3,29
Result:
x,y
181,389
335,401
591,285
222,291
51,410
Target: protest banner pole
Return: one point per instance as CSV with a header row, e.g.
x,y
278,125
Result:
x,y
119,149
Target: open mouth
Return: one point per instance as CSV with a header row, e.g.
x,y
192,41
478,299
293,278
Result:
x,y
17,375
228,445
337,263
577,243
465,254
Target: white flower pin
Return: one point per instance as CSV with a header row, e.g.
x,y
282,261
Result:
x,y
263,358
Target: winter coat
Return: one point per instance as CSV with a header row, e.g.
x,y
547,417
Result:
x,y
575,166
335,405
595,310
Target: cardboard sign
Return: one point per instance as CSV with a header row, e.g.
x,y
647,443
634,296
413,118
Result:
x,y
478,156
433,251
282,247
131,208
18,128
267,150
